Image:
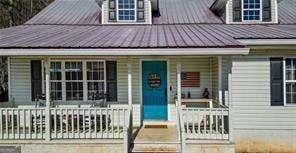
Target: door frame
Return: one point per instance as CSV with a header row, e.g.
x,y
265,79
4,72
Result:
x,y
141,83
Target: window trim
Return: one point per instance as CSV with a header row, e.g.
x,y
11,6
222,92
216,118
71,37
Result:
x,y
117,12
251,21
84,79
285,81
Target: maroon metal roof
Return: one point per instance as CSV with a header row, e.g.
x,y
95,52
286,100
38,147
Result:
x,y
149,36
77,12
287,11
88,12
186,11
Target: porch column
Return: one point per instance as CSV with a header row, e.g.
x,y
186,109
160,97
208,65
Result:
x,y
179,89
220,79
128,129
47,96
129,82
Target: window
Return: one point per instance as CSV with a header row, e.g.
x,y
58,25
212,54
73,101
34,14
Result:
x,y
251,10
95,80
74,81
55,81
83,80
126,10
290,80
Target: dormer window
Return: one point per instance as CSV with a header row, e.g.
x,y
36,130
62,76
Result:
x,y
126,10
251,10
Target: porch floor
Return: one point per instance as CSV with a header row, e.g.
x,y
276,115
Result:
x,y
169,134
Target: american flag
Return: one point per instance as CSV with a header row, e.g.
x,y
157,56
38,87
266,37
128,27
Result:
x,y
190,79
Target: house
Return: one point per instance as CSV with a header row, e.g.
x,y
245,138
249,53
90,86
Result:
x,y
152,75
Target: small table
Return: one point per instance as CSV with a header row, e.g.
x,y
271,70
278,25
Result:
x,y
194,101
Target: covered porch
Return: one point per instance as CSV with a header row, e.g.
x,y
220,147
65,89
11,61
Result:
x,y
102,97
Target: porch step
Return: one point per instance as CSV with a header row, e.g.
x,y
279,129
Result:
x,y
156,147
157,138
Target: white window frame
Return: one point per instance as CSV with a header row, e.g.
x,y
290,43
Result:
x,y
73,81
286,81
101,81
117,12
57,81
84,79
250,21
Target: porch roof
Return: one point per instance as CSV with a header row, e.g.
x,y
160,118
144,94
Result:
x,y
148,36
142,36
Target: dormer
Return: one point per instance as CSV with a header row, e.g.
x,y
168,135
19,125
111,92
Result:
x,y
246,11
126,12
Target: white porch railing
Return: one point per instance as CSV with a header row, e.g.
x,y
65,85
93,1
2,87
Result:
x,y
18,123
205,123
65,123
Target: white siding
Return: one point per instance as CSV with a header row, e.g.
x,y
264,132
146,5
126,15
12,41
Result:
x,y
20,81
251,97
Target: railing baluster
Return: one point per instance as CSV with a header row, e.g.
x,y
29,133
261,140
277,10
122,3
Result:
x,y
90,122
30,123
72,123
95,122
84,123
12,122
118,122
18,124
61,122
101,123
199,122
24,123
41,122
35,123
55,122
211,123
216,124
106,122
78,123
222,130
112,123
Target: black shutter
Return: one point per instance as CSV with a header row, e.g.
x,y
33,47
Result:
x,y
36,79
276,82
266,10
112,10
237,10
111,70
140,10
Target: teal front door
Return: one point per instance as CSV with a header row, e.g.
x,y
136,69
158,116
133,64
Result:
x,y
154,90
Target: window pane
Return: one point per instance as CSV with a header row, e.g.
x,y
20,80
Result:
x,y
74,91
288,98
56,90
73,70
95,90
251,9
126,10
289,75
288,87
55,71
